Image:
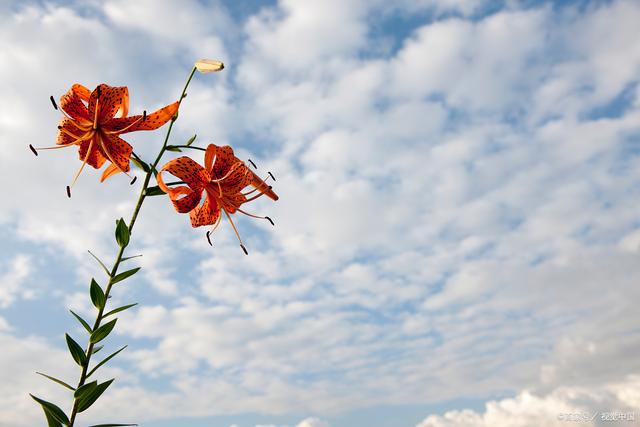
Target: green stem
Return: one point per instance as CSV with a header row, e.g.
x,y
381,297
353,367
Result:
x,y
189,146
116,264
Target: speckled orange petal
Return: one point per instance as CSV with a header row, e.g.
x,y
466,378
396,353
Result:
x,y
96,157
224,160
187,203
262,187
151,122
238,179
68,129
119,151
71,103
209,155
111,100
233,201
206,214
190,172
81,91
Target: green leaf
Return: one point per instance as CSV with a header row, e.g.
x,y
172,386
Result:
x,y
119,309
122,233
102,332
82,321
173,148
51,421
127,258
190,141
62,383
139,163
84,390
113,425
97,349
104,267
153,191
105,361
90,398
76,351
52,410
120,277
97,295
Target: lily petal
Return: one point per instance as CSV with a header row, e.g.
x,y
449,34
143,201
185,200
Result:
x,y
109,172
71,103
118,151
261,186
151,122
111,100
96,156
206,214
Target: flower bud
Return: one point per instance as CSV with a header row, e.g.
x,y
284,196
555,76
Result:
x,y
208,65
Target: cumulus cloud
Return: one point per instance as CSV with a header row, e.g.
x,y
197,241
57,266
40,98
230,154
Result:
x,y
12,280
565,405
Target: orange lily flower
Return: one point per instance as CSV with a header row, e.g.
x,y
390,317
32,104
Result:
x,y
222,180
90,122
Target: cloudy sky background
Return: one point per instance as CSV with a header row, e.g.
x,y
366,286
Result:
x,y
457,235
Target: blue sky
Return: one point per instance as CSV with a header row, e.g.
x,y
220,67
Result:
x,y
456,238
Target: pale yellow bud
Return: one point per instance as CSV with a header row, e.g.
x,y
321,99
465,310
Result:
x,y
209,65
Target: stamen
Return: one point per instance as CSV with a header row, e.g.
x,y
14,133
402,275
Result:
x,y
270,220
33,150
68,191
209,238
252,164
256,216
133,180
271,175
99,90
53,101
84,162
75,123
235,230
231,170
108,153
144,115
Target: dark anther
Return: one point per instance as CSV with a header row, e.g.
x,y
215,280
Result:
x,y
99,90
53,101
271,175
246,252
270,220
68,191
133,180
209,238
252,164
33,149
59,127
144,115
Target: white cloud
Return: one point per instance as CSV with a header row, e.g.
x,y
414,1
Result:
x,y
12,280
563,406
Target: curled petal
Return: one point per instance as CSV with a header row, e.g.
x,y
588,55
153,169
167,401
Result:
x,y
206,214
117,150
186,169
71,103
111,170
184,204
261,186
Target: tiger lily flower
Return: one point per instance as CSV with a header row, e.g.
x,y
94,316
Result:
x,y
221,181
90,123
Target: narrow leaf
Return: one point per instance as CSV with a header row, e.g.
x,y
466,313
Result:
x,y
173,148
85,389
122,233
139,163
104,267
82,321
62,383
52,410
97,349
119,309
105,361
127,258
97,295
76,351
102,332
120,277
153,191
51,421
190,141
89,399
